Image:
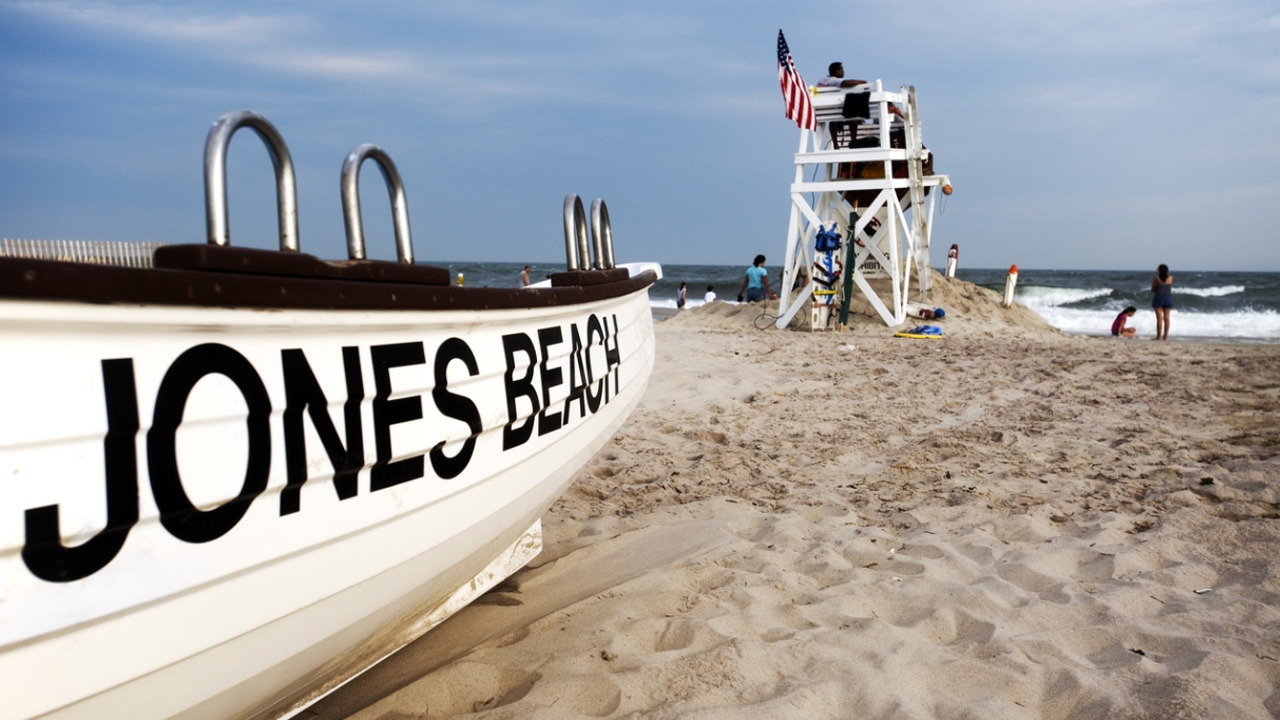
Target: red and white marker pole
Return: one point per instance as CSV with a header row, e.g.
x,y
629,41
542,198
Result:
x,y
1010,282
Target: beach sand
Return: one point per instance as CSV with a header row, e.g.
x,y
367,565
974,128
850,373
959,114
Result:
x,y
1004,523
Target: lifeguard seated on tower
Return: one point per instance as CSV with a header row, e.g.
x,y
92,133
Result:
x,y
853,122
859,110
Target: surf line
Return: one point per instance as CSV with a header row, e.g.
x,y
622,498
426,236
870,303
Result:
x,y
49,559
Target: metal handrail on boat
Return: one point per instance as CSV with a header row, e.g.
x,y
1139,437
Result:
x,y
577,246
601,235
575,234
215,176
351,202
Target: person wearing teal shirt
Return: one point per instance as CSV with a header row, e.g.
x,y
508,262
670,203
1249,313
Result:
x,y
755,284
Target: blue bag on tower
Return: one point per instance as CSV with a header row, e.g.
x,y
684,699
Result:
x,y
827,240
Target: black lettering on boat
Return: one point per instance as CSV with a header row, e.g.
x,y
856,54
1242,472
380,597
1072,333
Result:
x,y
453,405
550,377
43,552
613,358
303,392
530,380
387,412
578,376
513,344
594,330
177,513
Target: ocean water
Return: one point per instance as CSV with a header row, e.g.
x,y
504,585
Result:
x,y
1206,305
1243,306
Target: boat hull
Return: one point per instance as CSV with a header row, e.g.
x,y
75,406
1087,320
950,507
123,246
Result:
x,y
311,489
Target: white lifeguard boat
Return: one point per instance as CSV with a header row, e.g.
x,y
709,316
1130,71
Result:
x,y
233,479
870,183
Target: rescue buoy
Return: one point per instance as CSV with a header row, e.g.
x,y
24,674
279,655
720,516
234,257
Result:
x,y
1010,282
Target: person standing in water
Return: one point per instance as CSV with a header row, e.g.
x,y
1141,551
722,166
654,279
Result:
x,y
682,296
1162,300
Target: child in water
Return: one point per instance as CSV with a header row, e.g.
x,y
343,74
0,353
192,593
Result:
x,y
1118,328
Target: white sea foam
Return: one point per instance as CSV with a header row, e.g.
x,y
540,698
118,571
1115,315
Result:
x,y
1253,324
670,303
1038,296
1211,291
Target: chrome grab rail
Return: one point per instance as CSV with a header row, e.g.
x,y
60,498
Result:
x,y
575,234
601,235
351,202
215,177
576,246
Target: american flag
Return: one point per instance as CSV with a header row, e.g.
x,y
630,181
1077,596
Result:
x,y
794,92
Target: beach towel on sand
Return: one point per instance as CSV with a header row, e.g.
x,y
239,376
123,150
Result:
x,y
921,331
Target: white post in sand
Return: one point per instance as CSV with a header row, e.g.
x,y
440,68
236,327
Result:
x,y
1010,284
877,168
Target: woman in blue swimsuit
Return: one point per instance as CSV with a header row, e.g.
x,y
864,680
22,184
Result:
x,y
1162,300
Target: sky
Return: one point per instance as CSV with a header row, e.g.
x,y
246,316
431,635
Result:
x,y
1078,134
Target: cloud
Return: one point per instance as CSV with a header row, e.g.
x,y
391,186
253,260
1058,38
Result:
x,y
161,22
339,65
275,43
308,47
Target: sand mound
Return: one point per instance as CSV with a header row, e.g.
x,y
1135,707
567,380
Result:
x,y
971,311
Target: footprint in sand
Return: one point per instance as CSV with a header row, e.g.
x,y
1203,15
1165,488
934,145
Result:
x,y
977,553
465,687
678,635
654,635
928,552
951,626
1099,568
777,635
592,695
902,614
1047,588
902,567
749,562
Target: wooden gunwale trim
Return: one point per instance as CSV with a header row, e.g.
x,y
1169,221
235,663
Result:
x,y
28,279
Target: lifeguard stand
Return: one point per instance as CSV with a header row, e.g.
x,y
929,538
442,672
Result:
x,y
870,181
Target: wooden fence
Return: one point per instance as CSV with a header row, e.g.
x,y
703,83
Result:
x,y
124,254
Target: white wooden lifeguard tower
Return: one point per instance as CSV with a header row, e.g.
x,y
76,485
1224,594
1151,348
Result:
x,y
870,175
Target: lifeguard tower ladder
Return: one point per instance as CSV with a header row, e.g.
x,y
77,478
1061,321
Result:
x,y
870,183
